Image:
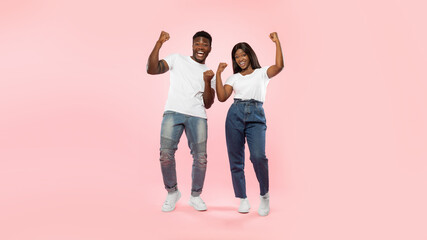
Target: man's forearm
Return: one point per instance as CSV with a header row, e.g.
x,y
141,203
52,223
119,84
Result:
x,y
208,96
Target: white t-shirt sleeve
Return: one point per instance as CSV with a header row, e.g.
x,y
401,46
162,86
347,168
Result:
x,y
230,80
264,74
170,60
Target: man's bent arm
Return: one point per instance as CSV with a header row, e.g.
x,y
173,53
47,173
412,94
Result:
x,y
154,66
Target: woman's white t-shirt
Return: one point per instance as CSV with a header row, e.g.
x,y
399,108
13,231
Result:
x,y
251,86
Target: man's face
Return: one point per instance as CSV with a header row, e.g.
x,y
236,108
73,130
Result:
x,y
201,49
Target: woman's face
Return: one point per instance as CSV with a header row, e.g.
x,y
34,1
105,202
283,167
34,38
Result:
x,y
242,59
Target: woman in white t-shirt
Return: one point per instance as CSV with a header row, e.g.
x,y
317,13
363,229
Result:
x,y
246,118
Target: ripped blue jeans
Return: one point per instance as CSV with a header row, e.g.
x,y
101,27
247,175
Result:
x,y
196,130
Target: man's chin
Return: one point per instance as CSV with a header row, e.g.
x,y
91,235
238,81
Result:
x,y
199,60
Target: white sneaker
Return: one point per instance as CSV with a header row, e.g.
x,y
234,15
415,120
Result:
x,y
244,205
197,203
264,206
171,199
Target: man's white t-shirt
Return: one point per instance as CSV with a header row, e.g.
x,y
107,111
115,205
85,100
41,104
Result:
x,y
186,86
251,86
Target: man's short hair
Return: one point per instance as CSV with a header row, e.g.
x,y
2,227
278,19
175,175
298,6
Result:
x,y
203,34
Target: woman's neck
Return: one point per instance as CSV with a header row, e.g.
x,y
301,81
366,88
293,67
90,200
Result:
x,y
247,71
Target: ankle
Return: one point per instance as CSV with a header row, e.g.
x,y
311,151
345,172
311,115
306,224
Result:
x,y
265,196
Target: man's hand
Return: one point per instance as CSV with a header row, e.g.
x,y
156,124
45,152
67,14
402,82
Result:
x,y
208,75
164,36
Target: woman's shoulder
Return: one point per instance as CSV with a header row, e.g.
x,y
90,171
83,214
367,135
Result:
x,y
263,69
232,78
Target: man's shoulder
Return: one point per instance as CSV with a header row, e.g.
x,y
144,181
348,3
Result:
x,y
174,59
178,57
173,55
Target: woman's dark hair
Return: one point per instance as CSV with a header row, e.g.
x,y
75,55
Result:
x,y
203,34
251,54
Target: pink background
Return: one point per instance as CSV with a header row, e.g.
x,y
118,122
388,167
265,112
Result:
x,y
80,120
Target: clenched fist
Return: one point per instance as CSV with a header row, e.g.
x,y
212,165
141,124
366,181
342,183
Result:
x,y
274,37
221,67
164,36
208,75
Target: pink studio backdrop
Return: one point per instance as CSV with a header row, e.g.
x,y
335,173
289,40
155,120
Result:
x,y
80,120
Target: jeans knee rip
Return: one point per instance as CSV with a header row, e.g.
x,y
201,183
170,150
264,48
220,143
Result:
x,y
200,159
167,158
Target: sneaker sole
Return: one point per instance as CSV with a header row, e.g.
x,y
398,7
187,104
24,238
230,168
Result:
x,y
244,212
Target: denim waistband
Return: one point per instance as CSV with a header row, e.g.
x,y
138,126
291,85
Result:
x,y
238,100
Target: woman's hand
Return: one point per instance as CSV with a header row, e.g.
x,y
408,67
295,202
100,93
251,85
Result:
x,y
221,67
274,37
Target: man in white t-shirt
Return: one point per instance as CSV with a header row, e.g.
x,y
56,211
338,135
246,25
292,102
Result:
x,y
190,94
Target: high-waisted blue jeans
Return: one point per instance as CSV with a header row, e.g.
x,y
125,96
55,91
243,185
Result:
x,y
196,129
246,121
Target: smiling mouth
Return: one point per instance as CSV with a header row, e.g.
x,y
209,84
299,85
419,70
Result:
x,y
242,63
200,54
